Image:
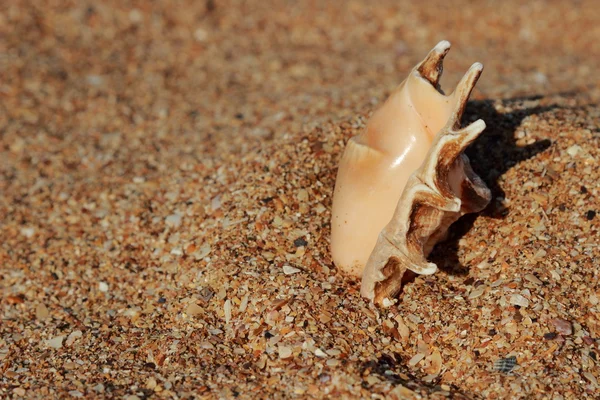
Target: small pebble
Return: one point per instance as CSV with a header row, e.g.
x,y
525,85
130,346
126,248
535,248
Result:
x,y
200,35
324,378
41,312
562,326
27,232
300,242
151,383
173,220
56,342
94,80
333,352
206,293
215,203
202,252
302,195
573,150
99,388
103,287
135,16
372,380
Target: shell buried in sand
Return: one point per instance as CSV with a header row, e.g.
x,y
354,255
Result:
x,y
404,180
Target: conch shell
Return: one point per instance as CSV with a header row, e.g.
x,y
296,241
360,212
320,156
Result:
x,y
405,180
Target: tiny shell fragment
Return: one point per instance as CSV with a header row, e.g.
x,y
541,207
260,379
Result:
x,y
416,359
193,309
73,336
27,232
519,300
573,150
173,220
401,392
436,363
563,327
477,292
206,293
320,353
505,365
591,378
289,270
56,342
244,303
403,330
227,310
285,352
533,279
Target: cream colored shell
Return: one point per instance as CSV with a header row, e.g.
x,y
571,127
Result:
x,y
376,166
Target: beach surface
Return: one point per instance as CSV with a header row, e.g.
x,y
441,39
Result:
x,y
166,173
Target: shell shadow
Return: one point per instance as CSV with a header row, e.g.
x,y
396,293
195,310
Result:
x,y
392,368
491,155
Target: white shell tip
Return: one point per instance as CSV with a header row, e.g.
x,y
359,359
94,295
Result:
x,y
478,66
478,125
442,46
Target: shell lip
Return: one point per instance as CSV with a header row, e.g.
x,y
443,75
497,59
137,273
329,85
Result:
x,y
429,270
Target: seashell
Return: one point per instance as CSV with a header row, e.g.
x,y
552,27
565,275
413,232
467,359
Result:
x,y
404,180
505,365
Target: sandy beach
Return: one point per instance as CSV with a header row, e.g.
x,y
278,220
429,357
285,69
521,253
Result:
x,y
166,174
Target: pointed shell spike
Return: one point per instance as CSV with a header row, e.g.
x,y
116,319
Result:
x,y
463,91
432,66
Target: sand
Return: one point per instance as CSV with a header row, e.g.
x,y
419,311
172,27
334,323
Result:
x,y
166,172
